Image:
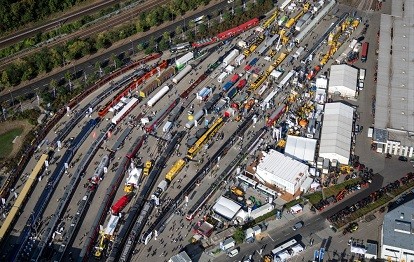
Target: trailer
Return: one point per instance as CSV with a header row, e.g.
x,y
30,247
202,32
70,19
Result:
x,y
204,93
230,57
239,60
167,127
125,110
222,76
232,93
241,84
364,51
182,74
158,96
184,59
196,118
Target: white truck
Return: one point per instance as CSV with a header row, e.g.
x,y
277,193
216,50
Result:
x,y
361,79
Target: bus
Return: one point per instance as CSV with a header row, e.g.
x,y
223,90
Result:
x,y
364,51
182,47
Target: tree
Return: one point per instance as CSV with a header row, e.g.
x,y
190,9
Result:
x,y
239,235
20,99
178,30
53,84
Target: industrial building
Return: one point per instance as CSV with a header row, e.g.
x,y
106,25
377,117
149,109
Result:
x,y
343,80
397,235
301,148
282,171
394,105
336,136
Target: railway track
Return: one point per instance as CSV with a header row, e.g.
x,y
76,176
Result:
x,y
93,29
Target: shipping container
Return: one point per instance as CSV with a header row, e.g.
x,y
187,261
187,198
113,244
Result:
x,y
364,51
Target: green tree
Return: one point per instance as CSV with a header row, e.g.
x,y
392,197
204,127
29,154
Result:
x,y
140,26
239,235
5,79
178,30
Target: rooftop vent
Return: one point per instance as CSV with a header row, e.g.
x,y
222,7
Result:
x,y
402,215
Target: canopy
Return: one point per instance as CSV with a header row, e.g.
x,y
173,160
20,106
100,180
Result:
x,y
296,208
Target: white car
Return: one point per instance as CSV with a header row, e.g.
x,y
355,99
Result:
x,y
233,253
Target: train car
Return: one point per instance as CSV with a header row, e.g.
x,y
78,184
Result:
x,y
22,197
175,170
132,103
97,175
133,85
276,115
158,96
160,116
192,152
121,204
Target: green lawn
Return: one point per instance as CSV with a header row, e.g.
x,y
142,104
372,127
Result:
x,y
6,139
329,191
334,190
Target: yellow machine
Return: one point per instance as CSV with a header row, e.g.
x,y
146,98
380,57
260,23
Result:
x,y
237,191
280,59
267,258
293,20
258,82
281,143
270,20
192,152
175,170
147,168
345,169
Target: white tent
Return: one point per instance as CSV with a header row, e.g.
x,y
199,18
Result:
x,y
301,148
336,135
226,207
358,250
297,249
343,79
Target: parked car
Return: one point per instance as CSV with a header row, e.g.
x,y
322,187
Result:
x,y
297,225
233,252
403,158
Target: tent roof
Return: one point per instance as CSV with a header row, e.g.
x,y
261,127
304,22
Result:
x,y
343,77
337,132
226,207
301,148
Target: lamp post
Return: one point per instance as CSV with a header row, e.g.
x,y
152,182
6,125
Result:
x,y
11,95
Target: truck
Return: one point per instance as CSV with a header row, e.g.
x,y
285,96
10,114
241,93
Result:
x,y
196,118
298,52
364,51
239,60
241,84
147,168
370,132
361,79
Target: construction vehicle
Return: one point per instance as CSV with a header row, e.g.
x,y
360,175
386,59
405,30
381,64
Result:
x,y
132,181
270,20
147,167
237,191
345,169
281,143
267,258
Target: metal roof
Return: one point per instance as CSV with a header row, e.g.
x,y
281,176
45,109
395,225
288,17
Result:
x,y
281,166
301,148
343,79
226,207
336,134
395,82
398,227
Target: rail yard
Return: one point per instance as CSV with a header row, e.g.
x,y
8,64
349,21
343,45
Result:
x,y
178,139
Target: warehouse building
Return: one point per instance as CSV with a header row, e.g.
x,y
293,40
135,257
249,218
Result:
x,y
336,136
282,171
343,81
394,104
398,233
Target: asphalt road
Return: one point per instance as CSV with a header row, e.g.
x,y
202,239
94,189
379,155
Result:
x,y
88,67
31,31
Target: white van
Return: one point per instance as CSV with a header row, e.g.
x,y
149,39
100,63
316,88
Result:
x,y
233,253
